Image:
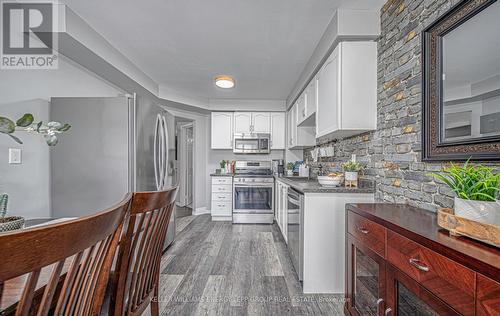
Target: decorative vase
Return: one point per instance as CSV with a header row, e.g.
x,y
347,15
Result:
x,y
289,173
479,211
351,176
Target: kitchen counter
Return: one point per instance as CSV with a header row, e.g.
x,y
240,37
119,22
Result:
x,y
305,185
221,174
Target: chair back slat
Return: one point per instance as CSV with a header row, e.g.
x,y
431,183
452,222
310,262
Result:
x,y
77,256
137,276
50,289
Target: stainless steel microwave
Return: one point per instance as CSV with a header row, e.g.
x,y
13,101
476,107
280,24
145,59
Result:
x,y
252,143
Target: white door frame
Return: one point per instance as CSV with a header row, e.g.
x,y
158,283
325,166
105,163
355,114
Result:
x,y
183,168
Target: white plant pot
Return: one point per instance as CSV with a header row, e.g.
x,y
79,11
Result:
x,y
289,173
480,211
351,175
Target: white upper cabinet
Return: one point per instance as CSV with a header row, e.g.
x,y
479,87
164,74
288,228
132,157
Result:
x,y
261,122
301,108
278,140
328,81
222,130
306,105
252,122
347,90
298,136
243,122
225,124
311,98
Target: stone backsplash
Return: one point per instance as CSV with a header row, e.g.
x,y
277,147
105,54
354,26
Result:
x,y
392,154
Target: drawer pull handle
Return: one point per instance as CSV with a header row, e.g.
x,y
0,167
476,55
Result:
x,y
379,302
363,230
388,312
416,263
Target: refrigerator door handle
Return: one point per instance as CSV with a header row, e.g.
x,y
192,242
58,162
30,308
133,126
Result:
x,y
155,151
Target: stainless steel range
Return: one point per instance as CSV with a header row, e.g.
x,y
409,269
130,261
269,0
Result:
x,y
253,193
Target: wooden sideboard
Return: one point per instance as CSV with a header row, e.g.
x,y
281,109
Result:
x,y
399,262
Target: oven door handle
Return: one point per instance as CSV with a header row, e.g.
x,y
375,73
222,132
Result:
x,y
253,185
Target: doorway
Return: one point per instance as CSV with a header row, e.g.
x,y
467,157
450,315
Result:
x,y
185,165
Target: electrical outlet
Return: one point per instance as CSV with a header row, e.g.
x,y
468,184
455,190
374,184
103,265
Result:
x,y
14,155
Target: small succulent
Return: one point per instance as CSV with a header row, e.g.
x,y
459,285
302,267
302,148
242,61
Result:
x,y
222,164
351,166
26,123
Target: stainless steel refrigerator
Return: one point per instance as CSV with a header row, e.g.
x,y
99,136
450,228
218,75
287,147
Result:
x,y
115,145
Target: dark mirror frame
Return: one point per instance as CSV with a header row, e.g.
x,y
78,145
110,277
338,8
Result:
x,y
432,38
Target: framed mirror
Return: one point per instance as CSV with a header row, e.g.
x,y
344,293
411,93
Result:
x,y
461,84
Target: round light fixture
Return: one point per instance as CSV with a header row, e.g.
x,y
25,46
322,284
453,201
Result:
x,y
224,82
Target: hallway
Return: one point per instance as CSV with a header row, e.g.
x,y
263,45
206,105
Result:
x,y
216,268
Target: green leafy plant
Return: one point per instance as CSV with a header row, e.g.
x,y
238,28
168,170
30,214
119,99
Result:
x,y
4,199
478,183
351,166
222,164
27,123
290,166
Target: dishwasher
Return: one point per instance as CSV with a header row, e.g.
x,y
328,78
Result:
x,y
295,235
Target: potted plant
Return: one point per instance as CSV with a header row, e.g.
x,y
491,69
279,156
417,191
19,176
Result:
x,y
476,189
351,169
222,165
8,223
289,169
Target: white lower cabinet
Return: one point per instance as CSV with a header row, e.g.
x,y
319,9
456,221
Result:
x,y
222,198
281,208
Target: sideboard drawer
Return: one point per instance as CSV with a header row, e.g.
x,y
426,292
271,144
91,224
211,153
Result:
x,y
488,296
368,232
450,281
222,180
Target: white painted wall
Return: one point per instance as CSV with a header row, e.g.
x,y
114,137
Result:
x,y
24,91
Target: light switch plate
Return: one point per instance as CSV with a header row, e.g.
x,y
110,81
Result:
x,y
14,155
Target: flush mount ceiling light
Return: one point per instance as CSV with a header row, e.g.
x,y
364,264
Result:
x,y
224,82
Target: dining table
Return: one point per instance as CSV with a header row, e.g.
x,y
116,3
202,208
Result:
x,y
13,288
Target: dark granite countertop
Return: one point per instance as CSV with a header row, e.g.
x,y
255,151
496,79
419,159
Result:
x,y
221,174
305,185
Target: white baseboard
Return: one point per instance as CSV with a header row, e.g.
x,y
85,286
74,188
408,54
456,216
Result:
x,y
200,211
222,218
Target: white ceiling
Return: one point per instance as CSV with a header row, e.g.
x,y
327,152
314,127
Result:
x,y
183,44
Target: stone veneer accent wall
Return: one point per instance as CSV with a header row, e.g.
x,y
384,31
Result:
x,y
392,154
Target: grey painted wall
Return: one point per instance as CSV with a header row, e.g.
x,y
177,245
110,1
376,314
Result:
x,y
30,91
28,184
392,154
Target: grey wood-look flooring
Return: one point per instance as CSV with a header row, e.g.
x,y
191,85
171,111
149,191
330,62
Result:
x,y
216,268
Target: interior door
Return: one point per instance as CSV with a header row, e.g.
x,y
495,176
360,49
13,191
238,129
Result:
x,y
91,165
185,195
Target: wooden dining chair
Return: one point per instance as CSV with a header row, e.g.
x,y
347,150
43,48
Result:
x,y
77,255
135,281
